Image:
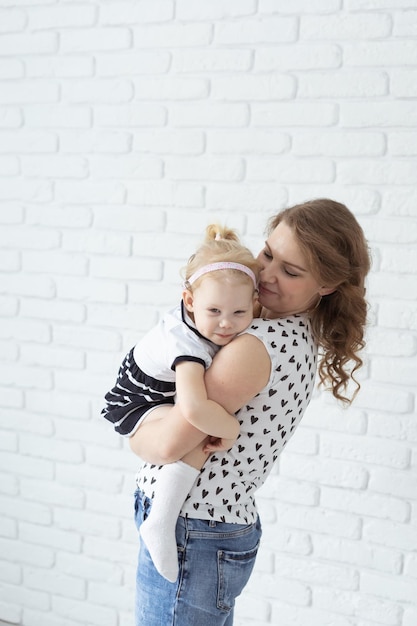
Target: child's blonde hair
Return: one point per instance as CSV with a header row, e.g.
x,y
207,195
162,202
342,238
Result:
x,y
221,245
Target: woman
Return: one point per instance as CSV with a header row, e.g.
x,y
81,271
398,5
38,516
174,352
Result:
x,y
312,294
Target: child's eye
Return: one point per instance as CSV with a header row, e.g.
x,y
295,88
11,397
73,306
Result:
x,y
214,311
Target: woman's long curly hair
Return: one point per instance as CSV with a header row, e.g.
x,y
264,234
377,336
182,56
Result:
x,y
337,254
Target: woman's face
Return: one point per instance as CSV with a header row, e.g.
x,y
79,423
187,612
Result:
x,y
286,285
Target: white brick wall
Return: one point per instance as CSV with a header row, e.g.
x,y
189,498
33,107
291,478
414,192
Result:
x,y
125,127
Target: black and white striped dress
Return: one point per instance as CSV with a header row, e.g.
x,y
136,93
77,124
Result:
x,y
146,378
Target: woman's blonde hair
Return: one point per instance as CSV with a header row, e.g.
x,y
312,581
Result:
x,y
337,254
221,244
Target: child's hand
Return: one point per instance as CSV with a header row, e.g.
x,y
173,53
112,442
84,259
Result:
x,y
216,444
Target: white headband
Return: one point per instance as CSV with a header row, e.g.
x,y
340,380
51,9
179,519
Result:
x,y
224,265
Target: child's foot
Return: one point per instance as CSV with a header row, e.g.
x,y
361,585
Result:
x,y
162,547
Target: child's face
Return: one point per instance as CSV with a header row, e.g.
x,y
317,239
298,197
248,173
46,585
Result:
x,y
221,308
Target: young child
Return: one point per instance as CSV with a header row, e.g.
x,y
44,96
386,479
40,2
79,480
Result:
x,y
168,364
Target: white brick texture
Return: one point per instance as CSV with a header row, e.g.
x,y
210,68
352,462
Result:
x,y
126,127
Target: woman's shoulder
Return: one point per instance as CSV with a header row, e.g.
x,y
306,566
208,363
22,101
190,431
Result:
x,y
293,325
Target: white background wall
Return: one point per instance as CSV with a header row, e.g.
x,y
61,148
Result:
x,y
126,127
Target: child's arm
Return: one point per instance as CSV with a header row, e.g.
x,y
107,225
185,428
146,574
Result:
x,y
196,408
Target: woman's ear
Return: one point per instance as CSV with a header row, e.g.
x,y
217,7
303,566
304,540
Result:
x,y
188,299
325,291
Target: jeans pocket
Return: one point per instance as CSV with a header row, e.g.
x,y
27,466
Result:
x,y
234,569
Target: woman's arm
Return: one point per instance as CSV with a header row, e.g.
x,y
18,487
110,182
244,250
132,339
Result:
x,y
238,372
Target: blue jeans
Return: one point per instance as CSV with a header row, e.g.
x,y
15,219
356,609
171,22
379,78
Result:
x,y
215,563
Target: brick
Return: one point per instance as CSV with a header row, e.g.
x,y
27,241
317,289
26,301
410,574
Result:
x,y
88,338
130,219
89,192
26,376
366,504
169,142
402,83
170,88
113,142
387,370
381,114
405,24
21,44
399,203
175,35
51,356
31,191
61,217
120,13
40,262
213,61
204,168
99,90
11,68
382,341
397,590
86,522
395,483
60,67
81,566
41,18
324,471
390,534
356,5
272,87
31,141
131,64
364,450
10,118
59,116
402,144
9,166
17,551
51,537
61,404
58,167
16,237
312,519
135,114
24,510
299,6
95,39
357,554
345,26
293,170
28,91
247,141
343,84
374,172
256,31
388,398
215,10
284,114
391,231
97,243
381,53
338,144
54,582
297,56
12,20
403,428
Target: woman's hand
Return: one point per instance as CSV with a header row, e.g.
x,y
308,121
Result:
x,y
215,444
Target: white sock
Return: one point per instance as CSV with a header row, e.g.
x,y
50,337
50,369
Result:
x,y
158,530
